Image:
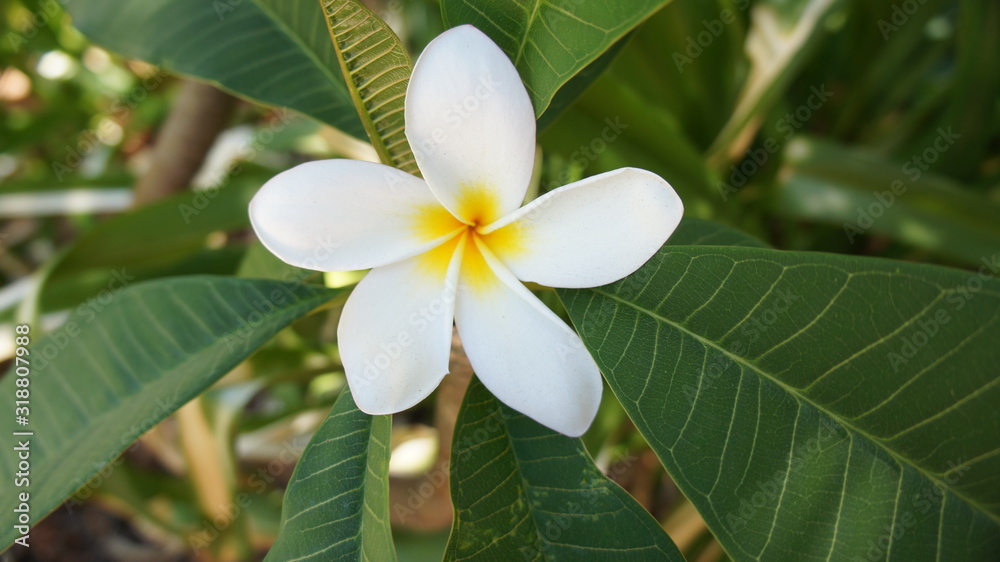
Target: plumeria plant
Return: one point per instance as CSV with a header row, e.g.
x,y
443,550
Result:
x,y
459,238
536,296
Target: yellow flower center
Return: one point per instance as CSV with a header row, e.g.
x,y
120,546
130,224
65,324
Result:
x,y
478,207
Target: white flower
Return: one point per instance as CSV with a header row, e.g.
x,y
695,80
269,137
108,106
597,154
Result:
x,y
456,246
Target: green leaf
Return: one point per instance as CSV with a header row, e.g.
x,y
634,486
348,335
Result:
x,y
523,491
337,503
377,69
813,406
131,247
550,42
782,35
273,51
672,66
112,372
861,192
971,107
700,232
580,82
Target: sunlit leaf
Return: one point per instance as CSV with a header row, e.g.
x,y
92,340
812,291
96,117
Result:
x,y
377,69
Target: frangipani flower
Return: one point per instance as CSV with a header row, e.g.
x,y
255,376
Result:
x,y
456,245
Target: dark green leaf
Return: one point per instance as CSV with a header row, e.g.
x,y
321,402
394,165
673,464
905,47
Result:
x,y
337,503
699,232
523,491
550,42
274,51
115,369
813,406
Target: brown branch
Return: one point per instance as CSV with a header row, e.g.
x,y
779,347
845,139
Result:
x,y
199,114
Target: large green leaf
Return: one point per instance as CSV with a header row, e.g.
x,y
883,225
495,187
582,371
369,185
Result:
x,y
115,369
813,406
550,42
274,51
377,69
337,503
523,491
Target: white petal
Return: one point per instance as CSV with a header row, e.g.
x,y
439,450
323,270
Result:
x,y
395,331
528,358
470,124
341,215
588,233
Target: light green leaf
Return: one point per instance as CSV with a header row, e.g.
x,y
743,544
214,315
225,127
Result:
x,y
550,42
813,406
112,372
524,492
377,69
337,503
273,51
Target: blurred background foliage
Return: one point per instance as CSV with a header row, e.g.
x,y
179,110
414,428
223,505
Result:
x,y
856,126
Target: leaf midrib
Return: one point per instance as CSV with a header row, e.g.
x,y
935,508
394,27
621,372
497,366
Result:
x,y
194,357
791,391
527,33
520,475
364,112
